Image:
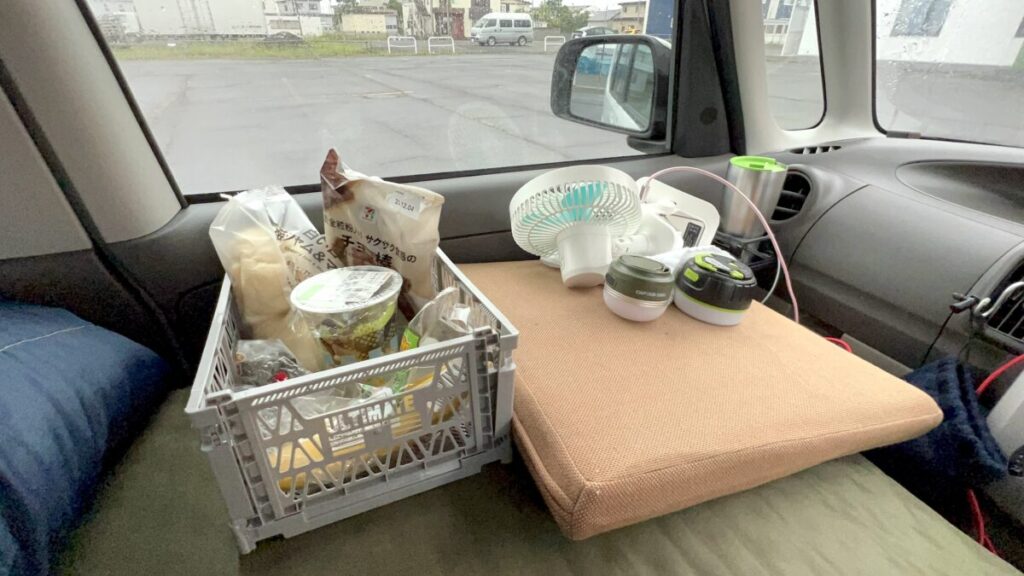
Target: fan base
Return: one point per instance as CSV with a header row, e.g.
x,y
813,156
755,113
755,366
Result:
x,y
586,253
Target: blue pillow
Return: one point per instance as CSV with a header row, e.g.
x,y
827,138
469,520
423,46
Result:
x,y
71,394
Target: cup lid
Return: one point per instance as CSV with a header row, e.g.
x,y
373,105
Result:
x,y
346,289
758,163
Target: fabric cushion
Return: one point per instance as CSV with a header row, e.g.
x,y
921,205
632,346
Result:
x,y
72,393
620,421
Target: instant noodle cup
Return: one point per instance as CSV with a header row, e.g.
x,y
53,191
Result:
x,y
348,309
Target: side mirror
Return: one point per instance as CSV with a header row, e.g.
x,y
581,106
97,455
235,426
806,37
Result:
x,y
618,83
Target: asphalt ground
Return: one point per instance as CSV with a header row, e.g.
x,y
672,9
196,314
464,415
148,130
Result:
x,y
228,125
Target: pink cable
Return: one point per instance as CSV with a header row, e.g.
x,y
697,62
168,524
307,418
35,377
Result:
x,y
764,221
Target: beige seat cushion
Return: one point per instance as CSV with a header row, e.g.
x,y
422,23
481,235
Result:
x,y
620,422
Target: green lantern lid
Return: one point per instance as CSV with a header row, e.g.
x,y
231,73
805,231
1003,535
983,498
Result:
x,y
640,278
717,280
758,163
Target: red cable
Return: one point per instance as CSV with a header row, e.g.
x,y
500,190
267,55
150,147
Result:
x,y
997,373
978,518
972,498
841,343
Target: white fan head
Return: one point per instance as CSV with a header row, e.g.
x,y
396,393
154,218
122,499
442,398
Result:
x,y
576,212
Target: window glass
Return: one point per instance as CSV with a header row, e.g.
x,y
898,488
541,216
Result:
x,y
796,94
522,23
949,69
246,93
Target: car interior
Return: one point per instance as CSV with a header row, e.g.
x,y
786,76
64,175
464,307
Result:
x,y
881,432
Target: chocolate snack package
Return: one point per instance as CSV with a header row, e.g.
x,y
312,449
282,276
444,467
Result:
x,y
369,221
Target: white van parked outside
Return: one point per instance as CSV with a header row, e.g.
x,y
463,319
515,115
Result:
x,y
503,28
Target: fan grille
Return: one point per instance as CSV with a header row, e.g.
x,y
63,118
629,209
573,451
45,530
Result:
x,y
541,216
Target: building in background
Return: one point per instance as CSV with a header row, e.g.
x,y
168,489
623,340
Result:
x,y
118,20
299,17
455,17
417,19
936,31
199,18
370,20
952,32
517,6
603,18
630,19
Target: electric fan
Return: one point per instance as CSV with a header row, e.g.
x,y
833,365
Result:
x,y
576,213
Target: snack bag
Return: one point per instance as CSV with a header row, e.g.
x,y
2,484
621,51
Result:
x,y
259,362
368,221
443,318
267,245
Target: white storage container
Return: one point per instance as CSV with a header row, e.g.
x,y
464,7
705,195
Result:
x,y
283,474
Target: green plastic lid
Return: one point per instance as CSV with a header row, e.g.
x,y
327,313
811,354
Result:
x,y
758,163
640,278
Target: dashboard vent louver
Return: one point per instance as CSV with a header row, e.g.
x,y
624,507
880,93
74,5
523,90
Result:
x,y
1009,318
815,149
795,190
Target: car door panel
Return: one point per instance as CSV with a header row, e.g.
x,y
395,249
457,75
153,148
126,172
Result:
x,y
81,283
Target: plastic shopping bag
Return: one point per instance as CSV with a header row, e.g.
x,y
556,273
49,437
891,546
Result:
x,y
267,245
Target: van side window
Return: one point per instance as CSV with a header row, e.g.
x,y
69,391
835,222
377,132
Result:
x,y
640,92
506,24
522,23
620,71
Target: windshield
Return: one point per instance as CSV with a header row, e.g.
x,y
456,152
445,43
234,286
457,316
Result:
x,y
950,69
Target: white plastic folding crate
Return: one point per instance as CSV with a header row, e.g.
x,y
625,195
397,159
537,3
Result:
x,y
283,474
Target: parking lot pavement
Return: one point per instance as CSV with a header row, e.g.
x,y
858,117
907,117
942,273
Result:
x,y
229,125
234,124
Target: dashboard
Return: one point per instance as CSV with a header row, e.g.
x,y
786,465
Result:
x,y
891,228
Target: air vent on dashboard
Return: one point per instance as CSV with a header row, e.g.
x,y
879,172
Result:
x,y
795,190
1009,318
815,149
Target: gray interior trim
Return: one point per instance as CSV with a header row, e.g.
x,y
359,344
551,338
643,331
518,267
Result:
x,y
990,188
115,68
59,67
152,316
36,218
882,267
78,281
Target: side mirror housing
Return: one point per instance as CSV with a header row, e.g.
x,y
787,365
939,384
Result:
x,y
618,83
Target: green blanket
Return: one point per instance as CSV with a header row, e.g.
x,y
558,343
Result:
x,y
162,514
